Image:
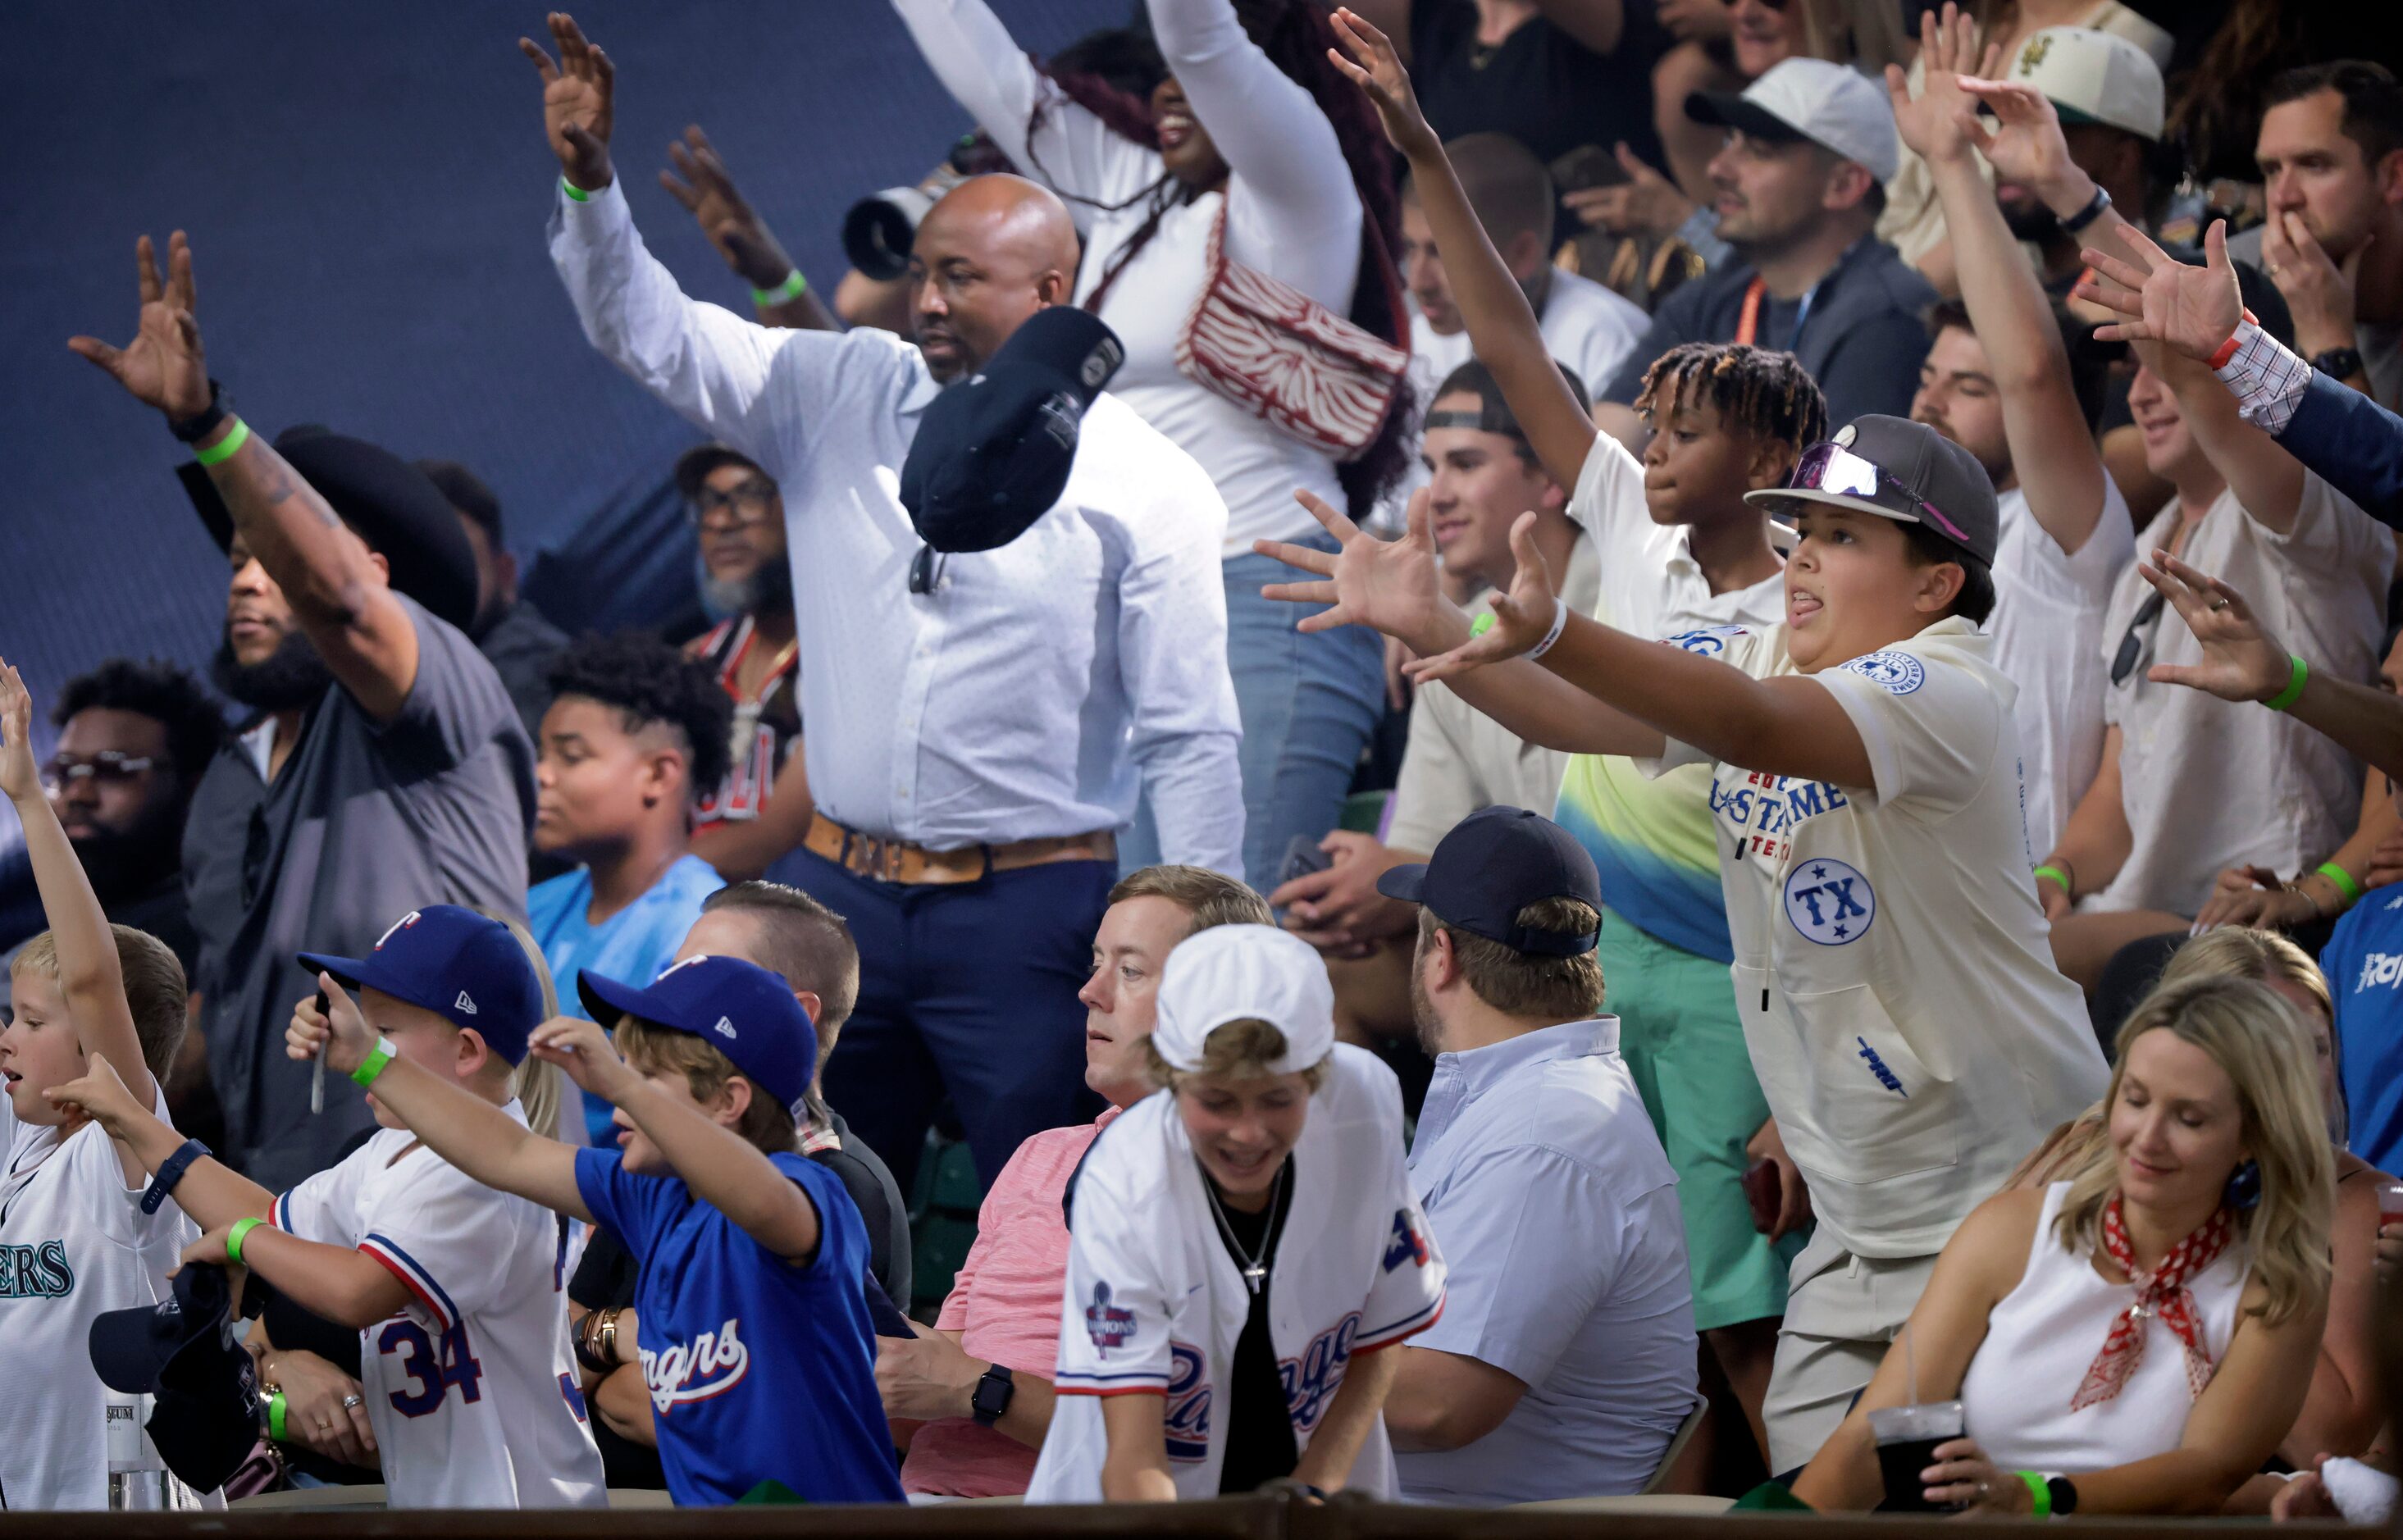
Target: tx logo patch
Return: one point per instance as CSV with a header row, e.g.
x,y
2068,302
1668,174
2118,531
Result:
x,y
1894,672
1405,1244
1829,902
1107,1324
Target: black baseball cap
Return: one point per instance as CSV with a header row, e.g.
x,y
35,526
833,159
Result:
x,y
1897,469
994,452
1494,863
183,1351
453,962
695,463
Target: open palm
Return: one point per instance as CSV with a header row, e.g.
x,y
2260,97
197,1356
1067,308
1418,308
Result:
x,y
18,778
700,182
163,366
2193,310
1521,617
2241,659
2027,146
1376,67
1389,585
579,102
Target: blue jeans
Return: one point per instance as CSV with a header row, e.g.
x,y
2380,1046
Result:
x,y
1308,701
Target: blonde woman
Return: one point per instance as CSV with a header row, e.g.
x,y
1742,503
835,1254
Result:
x,y
1241,1244
2139,1338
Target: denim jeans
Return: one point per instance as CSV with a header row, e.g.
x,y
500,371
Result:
x,y
1308,702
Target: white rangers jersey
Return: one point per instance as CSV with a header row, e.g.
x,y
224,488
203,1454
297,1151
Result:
x,y
74,1242
472,1388
1153,1303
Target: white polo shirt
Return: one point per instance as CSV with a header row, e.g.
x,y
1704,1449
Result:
x,y
1587,326
1893,968
1558,1211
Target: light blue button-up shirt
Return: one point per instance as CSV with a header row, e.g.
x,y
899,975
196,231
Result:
x,y
1557,1211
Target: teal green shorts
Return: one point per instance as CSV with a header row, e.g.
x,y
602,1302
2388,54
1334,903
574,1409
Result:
x,y
1683,1042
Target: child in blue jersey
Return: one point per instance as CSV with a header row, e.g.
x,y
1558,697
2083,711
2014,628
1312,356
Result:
x,y
635,734
749,1322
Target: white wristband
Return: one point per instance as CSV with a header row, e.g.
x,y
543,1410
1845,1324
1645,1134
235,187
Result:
x,y
1560,623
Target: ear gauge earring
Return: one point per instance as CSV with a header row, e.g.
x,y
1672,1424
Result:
x,y
2244,1190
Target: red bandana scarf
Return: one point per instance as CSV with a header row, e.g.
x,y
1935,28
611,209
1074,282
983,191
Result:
x,y
2162,1293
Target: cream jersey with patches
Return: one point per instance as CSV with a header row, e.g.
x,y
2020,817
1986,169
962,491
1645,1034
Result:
x,y
1893,967
472,1386
1153,1304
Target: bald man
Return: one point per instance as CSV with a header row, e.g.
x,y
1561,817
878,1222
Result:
x,y
978,725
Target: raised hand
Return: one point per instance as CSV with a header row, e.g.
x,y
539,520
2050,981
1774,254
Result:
x,y
1936,123
2241,659
19,779
1376,68
579,95
339,1030
1521,617
584,1051
1646,204
163,366
702,185
2028,147
2189,308
1386,585
99,1094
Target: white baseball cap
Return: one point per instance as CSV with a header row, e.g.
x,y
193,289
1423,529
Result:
x,y
1237,972
2093,78
1833,105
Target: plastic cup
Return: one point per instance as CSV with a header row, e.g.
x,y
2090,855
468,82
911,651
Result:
x,y
2390,1203
1907,1437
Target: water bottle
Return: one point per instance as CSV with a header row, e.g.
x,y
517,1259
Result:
x,y
137,1477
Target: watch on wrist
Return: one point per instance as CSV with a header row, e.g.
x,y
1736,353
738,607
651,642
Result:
x,y
992,1395
191,430
2065,1495
2337,362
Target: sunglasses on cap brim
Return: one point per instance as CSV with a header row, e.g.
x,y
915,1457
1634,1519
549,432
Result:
x,y
1832,468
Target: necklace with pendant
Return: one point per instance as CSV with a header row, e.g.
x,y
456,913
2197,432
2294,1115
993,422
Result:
x,y
1253,1266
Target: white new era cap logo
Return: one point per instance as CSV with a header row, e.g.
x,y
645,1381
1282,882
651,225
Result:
x,y
724,1028
466,1005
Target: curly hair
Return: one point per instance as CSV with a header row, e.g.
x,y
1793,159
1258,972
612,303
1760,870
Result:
x,y
648,681
1296,34
1767,394
156,689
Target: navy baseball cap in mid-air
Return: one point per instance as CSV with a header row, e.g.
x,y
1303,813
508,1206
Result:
x,y
456,963
738,1008
1494,863
994,452
182,1350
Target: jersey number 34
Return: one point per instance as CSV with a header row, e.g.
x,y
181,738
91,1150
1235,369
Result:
x,y
434,1369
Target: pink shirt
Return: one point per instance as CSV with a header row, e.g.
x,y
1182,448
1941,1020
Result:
x,y
1006,1302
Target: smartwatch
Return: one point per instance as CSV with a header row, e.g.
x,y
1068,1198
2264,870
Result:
x,y
2337,362
992,1397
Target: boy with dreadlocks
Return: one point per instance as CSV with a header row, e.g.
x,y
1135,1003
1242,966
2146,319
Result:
x,y
1682,555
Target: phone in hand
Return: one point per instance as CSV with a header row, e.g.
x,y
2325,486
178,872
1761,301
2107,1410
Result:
x,y
1303,857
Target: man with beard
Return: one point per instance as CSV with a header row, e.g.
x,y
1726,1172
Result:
x,y
383,766
762,808
1566,1355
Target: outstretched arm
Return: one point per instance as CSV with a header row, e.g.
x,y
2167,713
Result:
x,y
213,1194
699,180
986,73
1500,324
1275,140
90,978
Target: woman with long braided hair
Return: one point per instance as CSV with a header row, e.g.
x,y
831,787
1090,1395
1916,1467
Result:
x,y
1246,120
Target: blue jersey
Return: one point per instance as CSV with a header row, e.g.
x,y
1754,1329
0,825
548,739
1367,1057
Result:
x,y
2363,964
757,1369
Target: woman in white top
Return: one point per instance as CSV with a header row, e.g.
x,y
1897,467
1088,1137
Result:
x,y
2139,1338
1242,1245
1248,119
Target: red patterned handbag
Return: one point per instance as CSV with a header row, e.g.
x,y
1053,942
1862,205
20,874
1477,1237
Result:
x,y
1287,359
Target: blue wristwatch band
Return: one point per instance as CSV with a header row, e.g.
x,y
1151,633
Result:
x,y
171,1172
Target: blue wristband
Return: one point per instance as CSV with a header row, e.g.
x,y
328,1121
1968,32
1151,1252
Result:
x,y
172,1171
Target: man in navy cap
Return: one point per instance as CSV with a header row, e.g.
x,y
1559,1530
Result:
x,y
750,1302
384,766
1565,1358
453,1287
986,693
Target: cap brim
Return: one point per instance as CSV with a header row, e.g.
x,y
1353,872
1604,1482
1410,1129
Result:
x,y
1404,884
696,463
1728,109
606,999
1786,503
347,971
125,1352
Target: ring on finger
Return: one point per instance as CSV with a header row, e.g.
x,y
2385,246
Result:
x,y
350,1401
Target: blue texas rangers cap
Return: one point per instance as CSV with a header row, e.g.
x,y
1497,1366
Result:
x,y
994,452
454,962
738,1008
1494,863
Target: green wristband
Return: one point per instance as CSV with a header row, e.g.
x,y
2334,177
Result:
x,y
234,1237
372,1065
574,191
276,1417
2294,690
2343,881
2041,1491
225,449
2059,877
793,288
1482,624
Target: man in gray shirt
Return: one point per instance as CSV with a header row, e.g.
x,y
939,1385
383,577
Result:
x,y
384,768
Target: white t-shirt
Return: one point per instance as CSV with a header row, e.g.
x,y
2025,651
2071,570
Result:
x,y
1153,1303
1651,584
1585,325
472,1387
1893,967
74,1244
2048,630
2206,785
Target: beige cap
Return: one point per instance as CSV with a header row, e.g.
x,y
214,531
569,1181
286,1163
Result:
x,y
2093,78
